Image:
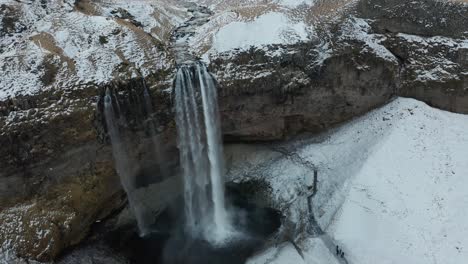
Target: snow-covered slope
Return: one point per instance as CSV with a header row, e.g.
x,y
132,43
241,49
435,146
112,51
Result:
x,y
392,188
67,44
407,204
256,24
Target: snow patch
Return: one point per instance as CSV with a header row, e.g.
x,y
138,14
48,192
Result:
x,y
295,3
358,28
270,28
439,40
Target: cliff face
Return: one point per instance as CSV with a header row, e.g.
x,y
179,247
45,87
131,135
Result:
x,y
308,75
368,57
430,40
57,174
280,96
424,18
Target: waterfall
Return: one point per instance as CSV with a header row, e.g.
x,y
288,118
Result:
x,y
213,138
200,149
122,160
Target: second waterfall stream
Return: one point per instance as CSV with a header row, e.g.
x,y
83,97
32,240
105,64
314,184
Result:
x,y
200,146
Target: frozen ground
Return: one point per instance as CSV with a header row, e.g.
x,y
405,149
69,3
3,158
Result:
x,y
392,188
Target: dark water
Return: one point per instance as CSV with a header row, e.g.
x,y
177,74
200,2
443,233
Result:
x,y
171,246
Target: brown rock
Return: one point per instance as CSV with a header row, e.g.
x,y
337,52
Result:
x,y
42,227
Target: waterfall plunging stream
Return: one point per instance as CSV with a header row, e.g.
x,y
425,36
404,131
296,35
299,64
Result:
x,y
122,160
196,229
209,234
200,153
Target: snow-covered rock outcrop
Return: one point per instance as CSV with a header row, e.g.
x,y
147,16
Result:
x,y
390,189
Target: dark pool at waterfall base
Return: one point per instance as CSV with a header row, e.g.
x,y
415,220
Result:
x,y
172,246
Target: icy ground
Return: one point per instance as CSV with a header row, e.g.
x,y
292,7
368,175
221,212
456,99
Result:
x,y
392,189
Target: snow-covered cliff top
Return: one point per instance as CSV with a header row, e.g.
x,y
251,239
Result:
x,y
65,44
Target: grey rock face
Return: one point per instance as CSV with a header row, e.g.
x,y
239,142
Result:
x,y
59,176
303,88
426,17
430,40
277,91
433,70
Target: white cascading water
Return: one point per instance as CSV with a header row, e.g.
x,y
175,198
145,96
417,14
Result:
x,y
200,148
122,161
211,118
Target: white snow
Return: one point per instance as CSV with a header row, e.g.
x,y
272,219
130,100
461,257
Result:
x,y
152,15
285,176
205,33
358,28
392,186
439,67
20,70
315,252
438,73
407,203
340,154
295,3
270,28
454,43
84,48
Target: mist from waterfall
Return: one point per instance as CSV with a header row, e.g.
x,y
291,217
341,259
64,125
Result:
x,y
122,159
200,147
